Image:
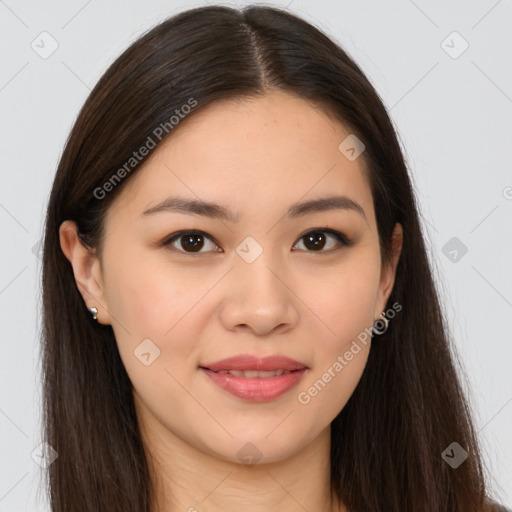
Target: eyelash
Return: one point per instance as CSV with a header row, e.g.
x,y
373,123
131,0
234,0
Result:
x,y
341,238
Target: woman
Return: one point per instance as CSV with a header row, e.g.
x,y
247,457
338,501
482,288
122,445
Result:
x,y
239,312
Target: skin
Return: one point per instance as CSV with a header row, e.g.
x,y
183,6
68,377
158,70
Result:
x,y
256,157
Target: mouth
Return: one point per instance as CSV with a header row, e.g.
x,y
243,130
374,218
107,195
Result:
x,y
250,363
252,374
255,379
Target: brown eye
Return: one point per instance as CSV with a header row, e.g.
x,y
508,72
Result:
x,y
316,240
189,241
192,242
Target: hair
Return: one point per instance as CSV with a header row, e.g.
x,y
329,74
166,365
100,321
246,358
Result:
x,y
409,405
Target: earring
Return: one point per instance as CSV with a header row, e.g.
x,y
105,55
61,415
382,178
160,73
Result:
x,y
382,320
94,313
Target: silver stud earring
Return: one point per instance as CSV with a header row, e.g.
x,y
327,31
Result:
x,y
384,324
94,313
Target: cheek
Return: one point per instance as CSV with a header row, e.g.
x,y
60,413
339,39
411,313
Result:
x,y
146,302
333,379
154,315
149,296
344,299
345,304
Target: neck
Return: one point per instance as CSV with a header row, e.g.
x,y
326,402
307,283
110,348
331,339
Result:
x,y
188,479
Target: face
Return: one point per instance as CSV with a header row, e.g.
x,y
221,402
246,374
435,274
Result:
x,y
184,290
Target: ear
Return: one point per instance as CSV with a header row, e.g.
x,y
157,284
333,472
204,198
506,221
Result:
x,y
388,273
86,269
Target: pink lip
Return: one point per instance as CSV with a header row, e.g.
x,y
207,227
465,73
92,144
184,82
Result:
x,y
249,362
256,389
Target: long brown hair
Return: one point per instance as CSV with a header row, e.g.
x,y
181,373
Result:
x,y
409,405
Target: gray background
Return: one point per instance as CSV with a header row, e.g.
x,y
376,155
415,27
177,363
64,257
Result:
x,y
453,112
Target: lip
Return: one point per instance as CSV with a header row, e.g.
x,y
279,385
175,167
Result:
x,y
255,389
250,362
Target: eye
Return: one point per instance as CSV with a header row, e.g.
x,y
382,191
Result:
x,y
314,241
191,241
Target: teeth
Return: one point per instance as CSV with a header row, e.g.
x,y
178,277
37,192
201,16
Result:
x,y
252,374
270,373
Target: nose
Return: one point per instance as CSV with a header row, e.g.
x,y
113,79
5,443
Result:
x,y
259,298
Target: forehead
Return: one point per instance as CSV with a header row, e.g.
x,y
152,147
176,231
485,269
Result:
x,y
251,153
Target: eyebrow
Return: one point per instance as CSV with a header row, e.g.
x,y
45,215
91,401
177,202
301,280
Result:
x,y
218,211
